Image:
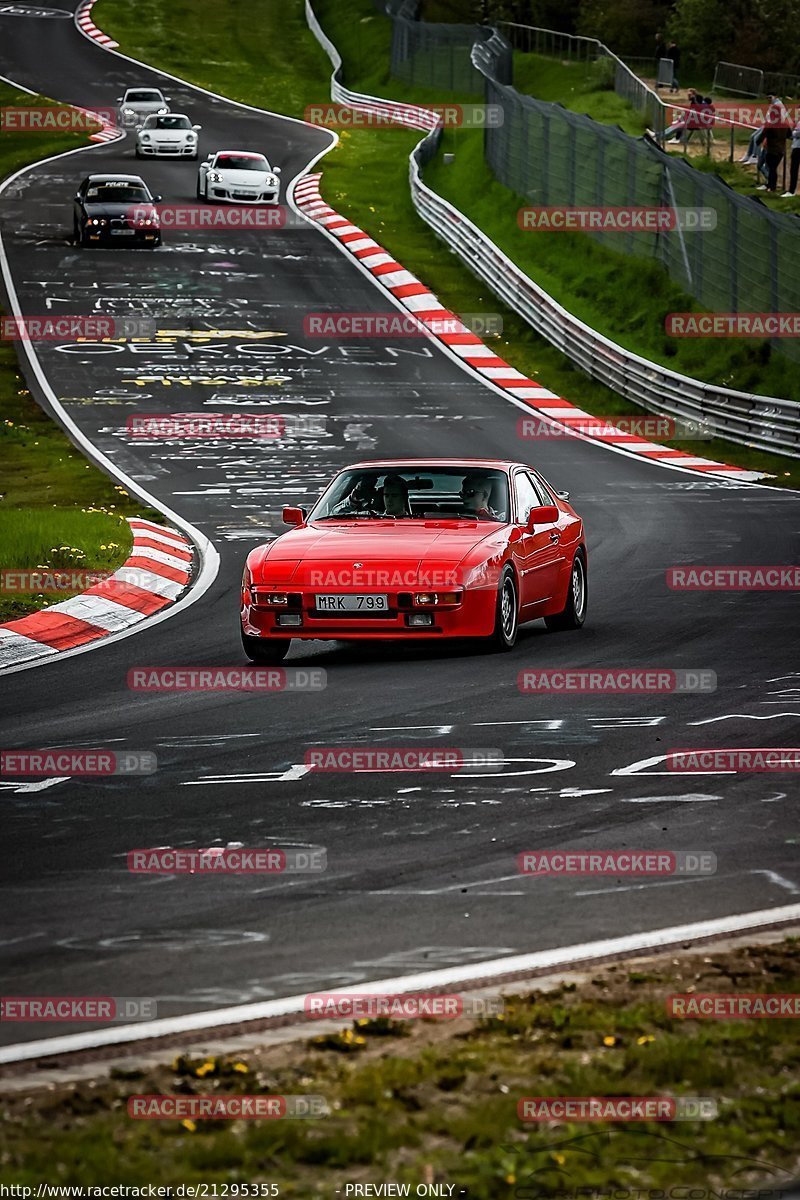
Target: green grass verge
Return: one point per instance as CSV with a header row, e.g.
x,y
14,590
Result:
x,y
428,1101
582,87
56,509
368,164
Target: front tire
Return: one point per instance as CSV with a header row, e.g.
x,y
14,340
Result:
x,y
573,614
199,192
266,651
506,619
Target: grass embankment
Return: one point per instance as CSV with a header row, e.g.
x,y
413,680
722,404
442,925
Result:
x,y
366,177
56,510
415,1102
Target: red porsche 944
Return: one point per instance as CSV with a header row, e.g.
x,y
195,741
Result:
x,y
418,548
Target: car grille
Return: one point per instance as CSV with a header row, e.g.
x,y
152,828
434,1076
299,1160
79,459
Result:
x,y
245,195
118,223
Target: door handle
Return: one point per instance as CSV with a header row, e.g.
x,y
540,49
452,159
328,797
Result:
x,y
555,537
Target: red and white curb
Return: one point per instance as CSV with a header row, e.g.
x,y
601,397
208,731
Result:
x,y
156,573
83,20
425,307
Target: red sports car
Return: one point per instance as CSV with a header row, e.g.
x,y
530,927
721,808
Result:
x,y
418,548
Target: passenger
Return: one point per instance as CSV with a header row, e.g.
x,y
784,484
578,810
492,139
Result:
x,y
475,493
395,497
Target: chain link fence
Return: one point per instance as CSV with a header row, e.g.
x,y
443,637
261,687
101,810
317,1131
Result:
x,y
750,262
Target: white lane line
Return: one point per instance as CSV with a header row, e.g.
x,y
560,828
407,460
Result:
x,y
448,977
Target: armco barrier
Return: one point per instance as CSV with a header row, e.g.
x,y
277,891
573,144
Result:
x,y
766,422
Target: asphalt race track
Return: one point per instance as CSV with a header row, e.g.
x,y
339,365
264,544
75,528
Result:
x,y
421,868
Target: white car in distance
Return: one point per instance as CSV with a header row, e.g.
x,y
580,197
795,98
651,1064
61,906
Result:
x,y
238,176
139,103
169,134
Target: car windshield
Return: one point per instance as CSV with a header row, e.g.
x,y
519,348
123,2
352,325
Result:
x,y
408,492
144,98
242,162
168,123
113,191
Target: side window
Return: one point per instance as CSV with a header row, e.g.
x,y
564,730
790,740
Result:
x,y
525,496
541,491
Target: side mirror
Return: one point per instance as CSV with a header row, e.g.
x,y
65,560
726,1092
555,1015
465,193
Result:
x,y
78,196
197,127
294,516
563,495
545,515
119,99
276,170
156,198
209,157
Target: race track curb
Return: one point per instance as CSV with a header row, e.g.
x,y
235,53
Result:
x,y
155,575
86,25
446,328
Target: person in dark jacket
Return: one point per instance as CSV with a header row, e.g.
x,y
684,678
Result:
x,y
776,135
674,53
795,166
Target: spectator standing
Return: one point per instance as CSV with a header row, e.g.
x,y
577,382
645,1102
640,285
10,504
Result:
x,y
776,135
661,49
674,53
795,164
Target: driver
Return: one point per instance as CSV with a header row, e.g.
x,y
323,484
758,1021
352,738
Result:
x,y
475,493
395,497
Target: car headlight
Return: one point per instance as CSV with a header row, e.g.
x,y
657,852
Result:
x,y
144,137
162,112
191,137
271,181
214,177
128,112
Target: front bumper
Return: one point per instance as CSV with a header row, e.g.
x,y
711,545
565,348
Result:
x,y
176,151
218,191
102,236
472,616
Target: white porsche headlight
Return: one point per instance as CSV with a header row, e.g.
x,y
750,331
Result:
x,y
214,177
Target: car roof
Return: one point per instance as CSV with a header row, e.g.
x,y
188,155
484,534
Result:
x,y
484,463
242,153
143,87
116,178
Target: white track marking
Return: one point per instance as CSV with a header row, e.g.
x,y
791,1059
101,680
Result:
x,y
466,975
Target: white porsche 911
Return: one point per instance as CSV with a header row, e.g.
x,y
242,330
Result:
x,y
238,175
169,134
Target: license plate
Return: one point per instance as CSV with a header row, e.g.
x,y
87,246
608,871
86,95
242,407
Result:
x,y
122,232
351,603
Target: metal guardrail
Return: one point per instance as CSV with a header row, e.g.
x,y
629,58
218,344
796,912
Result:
x,y
765,422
